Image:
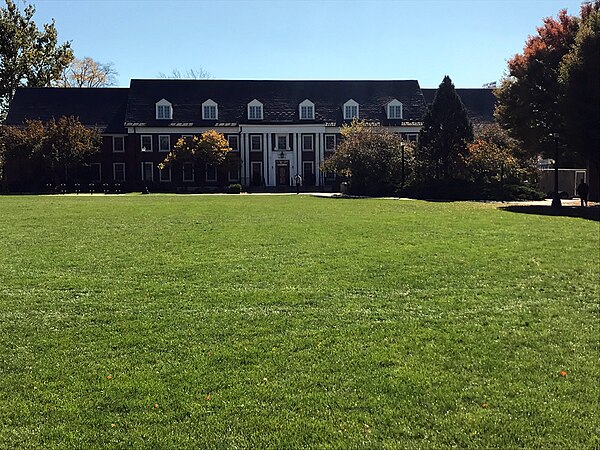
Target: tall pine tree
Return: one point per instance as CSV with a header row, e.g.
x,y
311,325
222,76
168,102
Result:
x,y
444,137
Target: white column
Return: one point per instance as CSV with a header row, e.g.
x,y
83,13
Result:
x,y
267,159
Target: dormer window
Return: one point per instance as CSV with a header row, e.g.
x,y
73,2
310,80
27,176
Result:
x,y
307,110
394,109
164,110
255,110
210,110
350,110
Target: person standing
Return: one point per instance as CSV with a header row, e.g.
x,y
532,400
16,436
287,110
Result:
x,y
582,190
298,179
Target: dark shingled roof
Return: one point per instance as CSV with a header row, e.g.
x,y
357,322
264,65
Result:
x,y
480,102
280,100
96,107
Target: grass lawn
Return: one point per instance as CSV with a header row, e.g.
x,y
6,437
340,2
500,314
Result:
x,y
291,321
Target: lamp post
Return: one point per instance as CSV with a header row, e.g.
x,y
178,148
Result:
x,y
556,198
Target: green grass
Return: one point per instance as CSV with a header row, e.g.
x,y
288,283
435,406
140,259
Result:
x,y
292,321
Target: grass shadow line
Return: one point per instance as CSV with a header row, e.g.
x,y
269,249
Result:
x,y
589,213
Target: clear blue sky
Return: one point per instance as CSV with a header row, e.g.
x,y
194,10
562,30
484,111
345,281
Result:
x,y
424,40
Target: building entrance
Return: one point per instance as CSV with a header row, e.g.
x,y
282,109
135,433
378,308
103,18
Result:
x,y
283,173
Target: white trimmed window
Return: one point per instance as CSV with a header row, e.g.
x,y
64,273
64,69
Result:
x,y
164,143
307,142
233,175
147,171
255,110
234,142
351,110
255,143
211,173
330,142
307,110
256,173
394,110
95,172
188,171
118,144
412,137
164,109
308,170
281,142
119,171
146,142
164,175
210,110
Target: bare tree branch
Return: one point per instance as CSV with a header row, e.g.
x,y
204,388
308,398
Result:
x,y
190,74
88,73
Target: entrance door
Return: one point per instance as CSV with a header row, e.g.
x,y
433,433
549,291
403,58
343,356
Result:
x,y
283,173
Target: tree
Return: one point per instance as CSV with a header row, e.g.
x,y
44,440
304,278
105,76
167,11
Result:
x,y
529,97
67,144
28,56
444,137
20,143
190,74
579,75
58,145
494,157
88,73
370,156
209,148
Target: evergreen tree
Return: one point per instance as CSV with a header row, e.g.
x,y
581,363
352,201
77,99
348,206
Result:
x,y
444,137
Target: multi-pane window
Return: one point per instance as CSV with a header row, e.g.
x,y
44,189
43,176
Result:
x,y
307,142
211,173
118,144
119,172
412,137
395,111
210,112
308,173
165,174
147,171
163,111
146,142
330,142
306,112
255,143
234,142
164,143
255,112
188,171
351,112
282,142
256,173
233,175
95,172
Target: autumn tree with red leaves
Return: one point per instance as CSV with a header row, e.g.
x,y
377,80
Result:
x,y
529,99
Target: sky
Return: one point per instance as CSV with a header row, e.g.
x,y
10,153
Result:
x,y
470,41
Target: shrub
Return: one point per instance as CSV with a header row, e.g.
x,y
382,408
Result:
x,y
234,188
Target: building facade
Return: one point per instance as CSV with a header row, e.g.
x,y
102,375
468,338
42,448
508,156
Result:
x,y
276,129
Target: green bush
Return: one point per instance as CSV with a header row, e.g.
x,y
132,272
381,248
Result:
x,y
234,188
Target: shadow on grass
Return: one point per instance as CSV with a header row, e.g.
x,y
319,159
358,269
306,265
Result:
x,y
590,213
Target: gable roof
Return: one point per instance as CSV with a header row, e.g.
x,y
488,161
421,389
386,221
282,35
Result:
x,y
103,108
479,102
280,100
